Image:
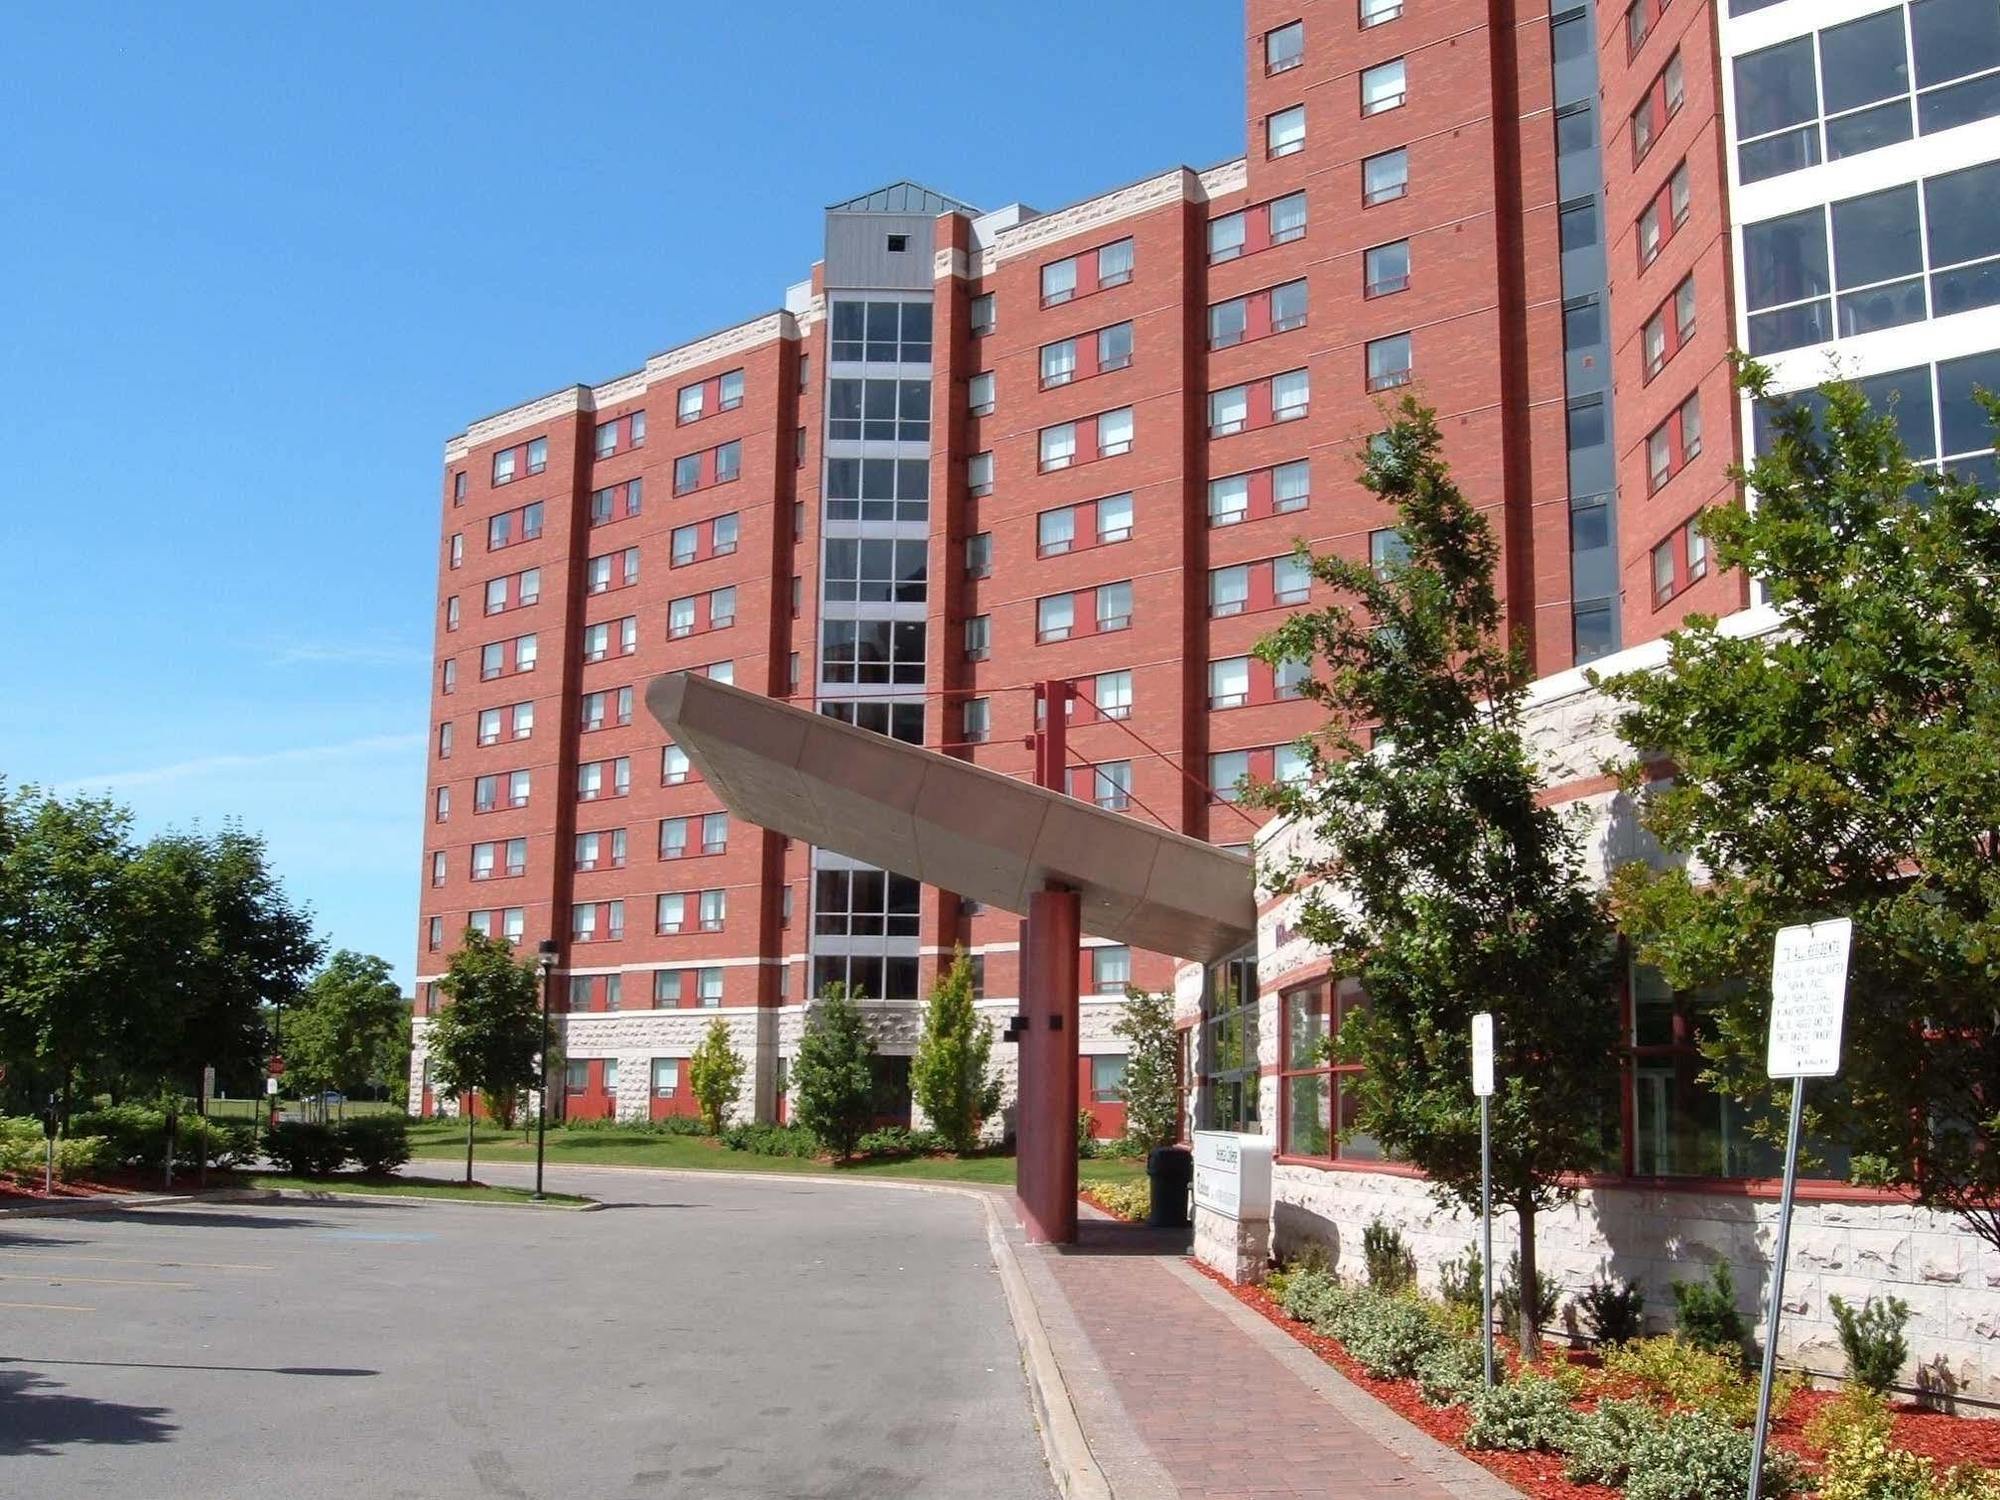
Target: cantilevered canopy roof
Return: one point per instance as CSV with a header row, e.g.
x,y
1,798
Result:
x,y
903,197
955,825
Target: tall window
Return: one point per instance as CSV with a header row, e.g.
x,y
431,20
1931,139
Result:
x,y
1385,177
1285,132
1285,48
1382,88
1315,1097
1227,1059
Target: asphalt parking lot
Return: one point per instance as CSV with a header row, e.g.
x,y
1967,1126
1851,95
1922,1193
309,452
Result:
x,y
697,1338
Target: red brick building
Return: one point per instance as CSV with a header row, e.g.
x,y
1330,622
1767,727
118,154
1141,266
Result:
x,y
975,450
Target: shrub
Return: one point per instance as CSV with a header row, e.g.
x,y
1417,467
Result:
x,y
1459,1280
137,1136
1128,1200
772,1140
1507,1296
1855,1413
1127,1147
1671,1369
1312,1255
1699,1455
22,1156
1087,1145
378,1143
1707,1315
1312,1296
1872,1339
1389,1335
306,1148
1391,1266
1602,1442
1454,1319
1530,1414
81,1156
898,1140
1614,1314
1453,1372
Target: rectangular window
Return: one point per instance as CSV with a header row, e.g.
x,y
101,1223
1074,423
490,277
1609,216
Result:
x,y
1058,447
1055,617
1055,531
1385,177
979,474
1114,606
1375,12
979,394
976,720
1382,88
1114,433
1114,518
1228,322
1114,347
1114,264
1285,132
982,314
1285,48
1386,269
1288,218
1058,282
1229,682
1111,693
1228,500
1111,785
1228,410
1225,238
1389,362
979,555
1291,394
978,637
1226,770
1058,363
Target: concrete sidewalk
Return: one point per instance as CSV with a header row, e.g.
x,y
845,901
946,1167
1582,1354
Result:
x,y
1182,1391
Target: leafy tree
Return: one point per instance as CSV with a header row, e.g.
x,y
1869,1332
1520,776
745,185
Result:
x,y
71,936
832,1082
1847,764
949,1075
487,1039
1437,875
1152,1067
349,1027
715,1073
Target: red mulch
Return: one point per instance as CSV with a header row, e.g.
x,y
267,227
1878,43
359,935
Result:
x,y
28,1189
1947,1439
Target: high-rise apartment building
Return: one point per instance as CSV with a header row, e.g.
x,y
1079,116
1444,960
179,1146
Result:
x,y
977,450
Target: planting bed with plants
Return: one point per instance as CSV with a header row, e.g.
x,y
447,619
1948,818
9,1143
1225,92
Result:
x,y
1661,1418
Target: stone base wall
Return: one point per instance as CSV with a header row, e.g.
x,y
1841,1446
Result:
x,y
1238,1248
1950,1279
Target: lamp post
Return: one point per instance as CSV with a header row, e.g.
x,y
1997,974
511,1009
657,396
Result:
x,y
545,960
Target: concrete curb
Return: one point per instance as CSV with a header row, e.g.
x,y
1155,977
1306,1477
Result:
x,y
131,1204
1425,1454
1075,1471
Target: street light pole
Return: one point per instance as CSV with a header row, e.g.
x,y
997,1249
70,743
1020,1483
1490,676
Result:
x,y
545,960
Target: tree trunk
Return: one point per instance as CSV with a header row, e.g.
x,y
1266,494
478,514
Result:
x,y
1531,1302
467,1106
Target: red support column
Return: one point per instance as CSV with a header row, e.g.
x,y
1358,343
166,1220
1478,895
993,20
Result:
x,y
1045,1133
1051,950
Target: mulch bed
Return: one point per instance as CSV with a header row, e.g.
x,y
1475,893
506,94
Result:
x,y
1947,1439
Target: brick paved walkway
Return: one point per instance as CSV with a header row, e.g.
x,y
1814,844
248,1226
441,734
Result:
x,y
1218,1413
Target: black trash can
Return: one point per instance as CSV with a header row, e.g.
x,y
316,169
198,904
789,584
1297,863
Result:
x,y
1171,1169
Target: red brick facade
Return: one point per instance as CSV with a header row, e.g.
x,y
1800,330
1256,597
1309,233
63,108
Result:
x,y
1480,300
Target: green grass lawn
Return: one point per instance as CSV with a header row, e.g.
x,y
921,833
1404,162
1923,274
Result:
x,y
445,1140
408,1187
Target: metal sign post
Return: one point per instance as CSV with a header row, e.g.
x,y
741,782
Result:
x,y
1808,1007
1482,1085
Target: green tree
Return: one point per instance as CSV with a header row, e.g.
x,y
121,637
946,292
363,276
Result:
x,y
1438,877
486,1040
1152,1067
715,1073
948,1076
832,1081
347,1026
1846,764
72,938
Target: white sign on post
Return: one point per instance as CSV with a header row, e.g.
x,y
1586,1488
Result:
x,y
1482,1054
1808,999
1232,1174
271,1087
207,1085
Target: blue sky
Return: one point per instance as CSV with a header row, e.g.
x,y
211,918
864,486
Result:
x,y
259,261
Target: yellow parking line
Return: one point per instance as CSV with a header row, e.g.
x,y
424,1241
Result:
x,y
117,1260
98,1281
49,1306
